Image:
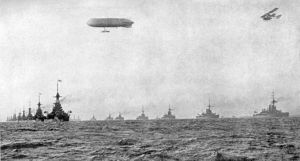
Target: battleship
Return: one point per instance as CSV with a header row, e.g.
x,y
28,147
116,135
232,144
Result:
x,y
109,118
169,115
12,118
22,117
29,115
57,111
208,113
142,116
120,117
93,118
39,116
271,111
56,114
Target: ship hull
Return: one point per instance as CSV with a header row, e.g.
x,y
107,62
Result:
x,y
207,117
271,115
167,119
142,118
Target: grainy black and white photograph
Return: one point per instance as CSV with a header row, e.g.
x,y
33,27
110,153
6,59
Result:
x,y
150,80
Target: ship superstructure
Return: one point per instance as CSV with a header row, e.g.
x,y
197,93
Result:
x,y
57,112
93,118
23,116
39,113
142,116
109,118
29,115
169,115
271,111
120,117
208,113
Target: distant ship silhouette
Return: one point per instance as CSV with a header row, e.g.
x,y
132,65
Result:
x,y
271,111
120,117
109,118
208,113
142,116
57,112
169,115
93,118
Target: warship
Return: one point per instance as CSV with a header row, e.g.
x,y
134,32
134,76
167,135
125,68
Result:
x,y
93,118
57,112
271,111
22,117
142,116
19,117
120,118
169,115
12,118
39,116
208,113
29,116
109,118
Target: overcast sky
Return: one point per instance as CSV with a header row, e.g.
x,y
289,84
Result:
x,y
177,52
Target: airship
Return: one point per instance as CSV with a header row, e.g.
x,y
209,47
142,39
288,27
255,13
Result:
x,y
109,22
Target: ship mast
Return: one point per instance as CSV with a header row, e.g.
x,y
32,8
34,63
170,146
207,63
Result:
x,y
57,94
57,86
169,112
273,99
39,104
209,105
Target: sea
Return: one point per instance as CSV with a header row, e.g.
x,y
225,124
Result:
x,y
235,139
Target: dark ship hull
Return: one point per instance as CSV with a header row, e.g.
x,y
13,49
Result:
x,y
61,116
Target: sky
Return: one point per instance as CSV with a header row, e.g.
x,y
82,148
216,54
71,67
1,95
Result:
x,y
181,53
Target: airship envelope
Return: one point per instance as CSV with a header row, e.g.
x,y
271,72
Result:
x,y
110,22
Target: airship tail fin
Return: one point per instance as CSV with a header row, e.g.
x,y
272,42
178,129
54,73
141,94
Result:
x,y
128,26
